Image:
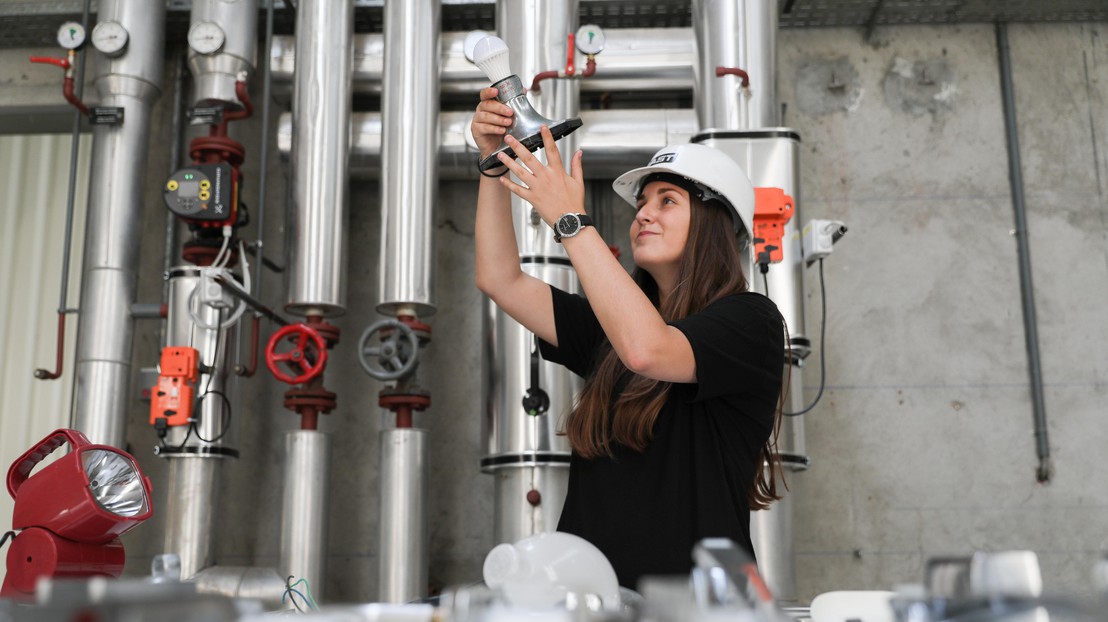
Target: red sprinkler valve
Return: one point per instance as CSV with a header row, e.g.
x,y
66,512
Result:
x,y
308,355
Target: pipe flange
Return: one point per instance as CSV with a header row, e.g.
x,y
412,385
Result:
x,y
316,400
396,355
396,401
225,149
328,331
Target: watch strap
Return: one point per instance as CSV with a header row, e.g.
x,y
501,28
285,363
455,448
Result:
x,y
583,220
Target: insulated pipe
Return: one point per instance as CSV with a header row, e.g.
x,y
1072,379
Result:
x,y
321,117
613,140
1027,289
638,58
525,453
409,176
735,34
402,542
741,121
215,73
304,513
191,522
195,463
770,157
131,81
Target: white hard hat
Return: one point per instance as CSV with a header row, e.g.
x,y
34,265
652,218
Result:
x,y
714,174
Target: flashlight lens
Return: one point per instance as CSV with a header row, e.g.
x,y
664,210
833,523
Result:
x,y
115,482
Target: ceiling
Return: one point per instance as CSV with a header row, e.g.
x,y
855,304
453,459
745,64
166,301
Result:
x,y
33,23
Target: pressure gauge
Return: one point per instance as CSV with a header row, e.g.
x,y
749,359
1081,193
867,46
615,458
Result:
x,y
206,37
110,38
71,35
589,39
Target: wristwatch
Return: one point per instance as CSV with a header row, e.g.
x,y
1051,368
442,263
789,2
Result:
x,y
570,225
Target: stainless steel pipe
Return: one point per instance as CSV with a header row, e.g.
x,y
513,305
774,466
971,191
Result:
x,y
191,522
304,511
738,34
194,478
524,452
320,147
131,81
409,149
770,158
215,72
525,448
638,59
403,541
614,141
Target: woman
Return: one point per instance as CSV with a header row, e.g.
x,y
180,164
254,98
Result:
x,y
673,433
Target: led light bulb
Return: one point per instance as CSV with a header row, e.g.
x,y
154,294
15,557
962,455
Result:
x,y
491,55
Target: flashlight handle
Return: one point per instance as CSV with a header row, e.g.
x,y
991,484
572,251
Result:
x,y
21,468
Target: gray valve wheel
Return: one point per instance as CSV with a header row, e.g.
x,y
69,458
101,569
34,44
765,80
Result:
x,y
391,357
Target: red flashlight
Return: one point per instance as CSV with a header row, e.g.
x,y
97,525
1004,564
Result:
x,y
72,511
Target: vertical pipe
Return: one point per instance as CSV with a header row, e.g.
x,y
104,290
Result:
x,y
402,545
1027,290
193,482
525,454
409,155
735,34
175,136
304,513
191,521
743,34
263,152
321,144
131,81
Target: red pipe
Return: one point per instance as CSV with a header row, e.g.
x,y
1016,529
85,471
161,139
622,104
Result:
x,y
249,370
42,374
734,71
590,69
68,88
539,77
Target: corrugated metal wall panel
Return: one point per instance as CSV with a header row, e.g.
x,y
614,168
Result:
x,y
33,192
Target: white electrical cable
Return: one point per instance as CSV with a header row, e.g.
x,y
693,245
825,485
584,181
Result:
x,y
244,285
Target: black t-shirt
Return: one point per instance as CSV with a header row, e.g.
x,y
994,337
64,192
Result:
x,y
645,511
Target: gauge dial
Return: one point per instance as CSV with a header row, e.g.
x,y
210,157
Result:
x,y
589,39
110,38
206,37
71,35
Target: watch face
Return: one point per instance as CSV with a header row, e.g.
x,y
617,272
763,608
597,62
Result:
x,y
568,225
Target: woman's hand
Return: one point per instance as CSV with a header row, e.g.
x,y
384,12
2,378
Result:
x,y
490,122
547,187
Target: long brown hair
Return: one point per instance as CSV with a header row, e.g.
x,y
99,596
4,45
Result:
x,y
708,270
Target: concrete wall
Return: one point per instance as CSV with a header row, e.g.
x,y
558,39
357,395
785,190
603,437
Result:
x,y
922,444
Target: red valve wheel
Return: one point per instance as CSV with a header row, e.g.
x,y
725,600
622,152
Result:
x,y
308,345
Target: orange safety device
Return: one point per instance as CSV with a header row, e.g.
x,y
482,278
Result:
x,y
772,211
172,398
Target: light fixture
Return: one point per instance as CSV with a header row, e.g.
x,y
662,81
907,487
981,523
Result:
x,y
491,55
72,511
